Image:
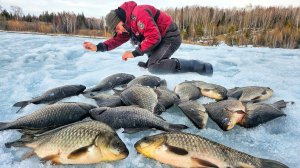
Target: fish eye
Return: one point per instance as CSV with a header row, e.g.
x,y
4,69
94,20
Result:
x,y
226,121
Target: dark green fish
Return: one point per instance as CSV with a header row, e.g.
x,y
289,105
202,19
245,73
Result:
x,y
132,119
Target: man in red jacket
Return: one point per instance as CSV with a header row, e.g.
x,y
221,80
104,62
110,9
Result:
x,y
155,34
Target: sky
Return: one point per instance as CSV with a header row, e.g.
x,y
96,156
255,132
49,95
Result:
x,y
31,64
98,8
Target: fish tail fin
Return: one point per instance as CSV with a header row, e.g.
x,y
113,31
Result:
x,y
20,142
159,108
280,104
272,164
21,104
163,83
4,126
176,127
17,143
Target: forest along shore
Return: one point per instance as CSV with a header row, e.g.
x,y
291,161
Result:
x,y
274,27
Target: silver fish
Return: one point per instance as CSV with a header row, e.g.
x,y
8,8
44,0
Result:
x,y
148,80
250,93
112,81
187,91
196,112
53,95
180,149
105,100
259,113
50,116
166,97
144,97
210,90
132,119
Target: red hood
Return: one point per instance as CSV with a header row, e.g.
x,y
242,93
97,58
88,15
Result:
x,y
128,8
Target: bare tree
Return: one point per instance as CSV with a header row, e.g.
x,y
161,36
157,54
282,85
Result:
x,y
17,12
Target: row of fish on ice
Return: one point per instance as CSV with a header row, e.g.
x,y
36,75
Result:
x,y
61,132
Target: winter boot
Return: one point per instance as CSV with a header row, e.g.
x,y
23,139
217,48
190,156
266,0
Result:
x,y
143,64
200,67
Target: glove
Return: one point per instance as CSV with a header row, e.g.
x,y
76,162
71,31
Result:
x,y
101,47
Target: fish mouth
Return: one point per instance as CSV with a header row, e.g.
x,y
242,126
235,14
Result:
x,y
124,154
117,155
148,145
81,89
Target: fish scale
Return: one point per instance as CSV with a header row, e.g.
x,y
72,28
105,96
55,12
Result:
x,y
143,96
181,149
197,144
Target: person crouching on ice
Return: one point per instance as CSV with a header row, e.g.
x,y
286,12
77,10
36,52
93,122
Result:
x,y
155,34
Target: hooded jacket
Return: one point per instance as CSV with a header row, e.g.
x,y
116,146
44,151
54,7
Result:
x,y
141,23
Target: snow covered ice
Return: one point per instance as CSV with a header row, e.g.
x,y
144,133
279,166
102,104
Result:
x,y
32,64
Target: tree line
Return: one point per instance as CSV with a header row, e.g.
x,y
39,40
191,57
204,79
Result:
x,y
61,22
276,27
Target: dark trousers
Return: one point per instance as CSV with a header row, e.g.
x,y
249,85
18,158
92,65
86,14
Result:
x,y
159,61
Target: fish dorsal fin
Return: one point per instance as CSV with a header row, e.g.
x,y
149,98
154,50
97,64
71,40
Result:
x,y
203,163
237,94
78,152
55,159
177,150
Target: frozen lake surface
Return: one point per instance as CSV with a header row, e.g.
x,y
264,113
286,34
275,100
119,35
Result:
x,y
32,64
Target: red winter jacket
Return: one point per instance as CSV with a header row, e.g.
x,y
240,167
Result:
x,y
140,21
